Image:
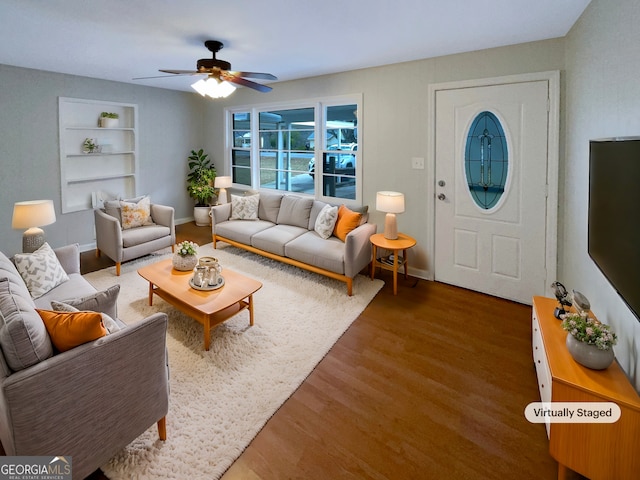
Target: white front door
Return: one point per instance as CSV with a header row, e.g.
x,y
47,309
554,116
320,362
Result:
x,y
491,218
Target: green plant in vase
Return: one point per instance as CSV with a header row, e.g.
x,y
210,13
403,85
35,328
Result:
x,y
201,177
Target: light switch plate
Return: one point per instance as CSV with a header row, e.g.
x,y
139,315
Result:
x,y
417,163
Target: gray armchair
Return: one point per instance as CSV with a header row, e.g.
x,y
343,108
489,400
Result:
x,y
88,402
122,245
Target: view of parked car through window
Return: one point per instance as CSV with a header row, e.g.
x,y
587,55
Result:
x,y
286,154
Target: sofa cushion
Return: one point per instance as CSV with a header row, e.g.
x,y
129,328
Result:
x,y
136,214
274,239
141,235
311,249
105,301
23,336
347,221
244,208
8,270
295,211
70,329
269,206
326,221
76,286
40,270
241,231
109,323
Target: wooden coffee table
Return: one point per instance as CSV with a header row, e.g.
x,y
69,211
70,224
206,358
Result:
x,y
210,308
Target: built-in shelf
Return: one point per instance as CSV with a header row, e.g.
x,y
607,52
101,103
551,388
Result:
x,y
112,172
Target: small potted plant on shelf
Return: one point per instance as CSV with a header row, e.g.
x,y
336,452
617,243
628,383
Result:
x,y
108,120
200,181
589,341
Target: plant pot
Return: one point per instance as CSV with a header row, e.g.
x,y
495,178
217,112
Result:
x,y
201,216
589,356
106,122
184,263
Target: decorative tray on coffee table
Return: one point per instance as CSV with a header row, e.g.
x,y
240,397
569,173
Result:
x,y
207,287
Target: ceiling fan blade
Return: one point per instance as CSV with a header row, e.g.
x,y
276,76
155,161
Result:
x,y
157,76
264,76
247,83
183,72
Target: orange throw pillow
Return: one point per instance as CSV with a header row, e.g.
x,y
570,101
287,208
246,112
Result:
x,y
70,329
347,221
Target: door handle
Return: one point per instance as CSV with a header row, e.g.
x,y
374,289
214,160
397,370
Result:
x,y
442,196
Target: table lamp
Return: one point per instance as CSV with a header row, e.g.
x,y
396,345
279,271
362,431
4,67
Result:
x,y
222,183
32,215
391,203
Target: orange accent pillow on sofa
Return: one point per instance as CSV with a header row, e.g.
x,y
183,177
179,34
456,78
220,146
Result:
x,y
347,221
70,329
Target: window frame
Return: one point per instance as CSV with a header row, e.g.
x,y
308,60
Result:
x,y
319,106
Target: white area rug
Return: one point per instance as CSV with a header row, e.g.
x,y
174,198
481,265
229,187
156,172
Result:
x,y
220,399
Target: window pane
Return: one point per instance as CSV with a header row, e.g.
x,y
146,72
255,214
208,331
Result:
x,y
285,149
241,167
486,160
340,152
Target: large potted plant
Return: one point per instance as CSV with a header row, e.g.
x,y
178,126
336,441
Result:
x,y
200,182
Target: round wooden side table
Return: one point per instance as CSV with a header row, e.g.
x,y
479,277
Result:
x,y
401,244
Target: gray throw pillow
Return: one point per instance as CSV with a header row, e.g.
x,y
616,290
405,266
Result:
x,y
109,323
295,211
103,302
23,336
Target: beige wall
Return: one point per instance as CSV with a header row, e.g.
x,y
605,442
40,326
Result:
x,y
602,100
395,120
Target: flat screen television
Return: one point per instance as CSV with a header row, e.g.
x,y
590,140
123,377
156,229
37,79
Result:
x,y
614,214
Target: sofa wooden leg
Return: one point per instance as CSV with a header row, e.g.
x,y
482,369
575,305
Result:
x,y
117,269
98,253
162,428
173,248
349,286
213,238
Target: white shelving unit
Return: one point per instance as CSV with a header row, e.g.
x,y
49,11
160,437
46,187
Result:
x,y
113,170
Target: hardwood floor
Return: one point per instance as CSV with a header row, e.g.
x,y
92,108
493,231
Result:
x,y
431,383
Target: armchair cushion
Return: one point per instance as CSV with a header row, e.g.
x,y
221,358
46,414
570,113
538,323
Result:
x,y
70,329
23,336
40,270
104,301
136,214
140,235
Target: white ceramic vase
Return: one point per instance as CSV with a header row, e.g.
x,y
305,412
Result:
x,y
201,216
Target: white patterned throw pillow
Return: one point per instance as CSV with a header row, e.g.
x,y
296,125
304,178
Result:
x,y
326,221
40,270
244,208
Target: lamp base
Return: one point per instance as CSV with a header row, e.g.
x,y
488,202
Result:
x,y
390,227
32,240
223,196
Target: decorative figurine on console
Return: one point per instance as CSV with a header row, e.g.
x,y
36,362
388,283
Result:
x,y
580,302
562,295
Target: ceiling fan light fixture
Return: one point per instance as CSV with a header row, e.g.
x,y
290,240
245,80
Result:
x,y
213,88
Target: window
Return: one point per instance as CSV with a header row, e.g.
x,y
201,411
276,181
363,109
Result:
x,y
286,153
486,160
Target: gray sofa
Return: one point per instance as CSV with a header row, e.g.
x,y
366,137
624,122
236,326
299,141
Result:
x,y
287,234
88,402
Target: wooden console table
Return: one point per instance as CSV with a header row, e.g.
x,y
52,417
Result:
x,y
595,450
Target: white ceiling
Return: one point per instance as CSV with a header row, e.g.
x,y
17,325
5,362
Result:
x,y
123,39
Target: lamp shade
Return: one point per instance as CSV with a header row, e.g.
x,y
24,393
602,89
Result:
x,y
390,202
33,213
222,182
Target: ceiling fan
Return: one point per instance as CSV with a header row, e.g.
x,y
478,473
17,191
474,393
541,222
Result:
x,y
220,70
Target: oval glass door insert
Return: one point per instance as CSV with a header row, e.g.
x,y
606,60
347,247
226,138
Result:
x,y
486,160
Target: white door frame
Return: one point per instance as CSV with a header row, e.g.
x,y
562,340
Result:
x,y
553,148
